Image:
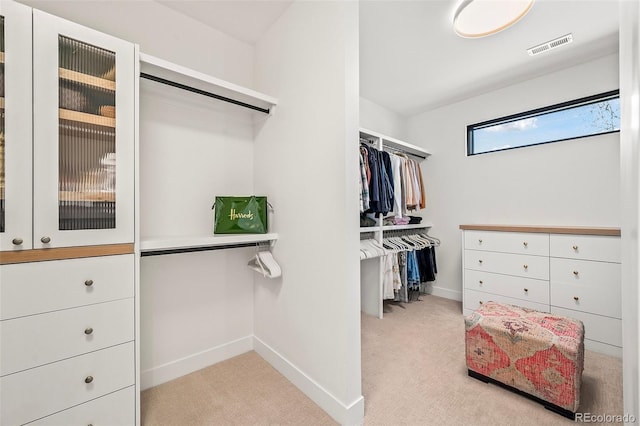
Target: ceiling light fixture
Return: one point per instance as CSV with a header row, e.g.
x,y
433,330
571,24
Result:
x,y
480,18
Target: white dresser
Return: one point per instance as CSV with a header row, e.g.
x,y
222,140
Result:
x,y
569,271
67,342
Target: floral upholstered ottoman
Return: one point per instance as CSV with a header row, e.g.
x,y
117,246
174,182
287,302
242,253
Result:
x,y
537,354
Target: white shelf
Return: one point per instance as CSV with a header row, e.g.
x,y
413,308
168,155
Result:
x,y
411,226
159,244
424,225
388,141
182,75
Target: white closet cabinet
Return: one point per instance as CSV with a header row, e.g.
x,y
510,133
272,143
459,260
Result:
x,y
15,127
573,272
371,269
80,158
67,268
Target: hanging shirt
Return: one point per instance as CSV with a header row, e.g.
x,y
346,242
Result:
x,y
375,183
396,164
364,185
390,276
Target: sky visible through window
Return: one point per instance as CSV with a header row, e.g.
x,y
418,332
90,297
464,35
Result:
x,y
574,122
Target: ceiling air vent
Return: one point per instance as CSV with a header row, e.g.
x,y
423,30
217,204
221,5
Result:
x,y
560,41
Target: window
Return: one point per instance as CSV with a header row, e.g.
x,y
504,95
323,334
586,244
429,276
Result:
x,y
594,115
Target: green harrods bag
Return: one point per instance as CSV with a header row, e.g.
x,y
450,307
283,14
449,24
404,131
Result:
x,y
240,215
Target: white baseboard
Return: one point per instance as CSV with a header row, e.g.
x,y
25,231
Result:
x,y
444,292
189,364
351,414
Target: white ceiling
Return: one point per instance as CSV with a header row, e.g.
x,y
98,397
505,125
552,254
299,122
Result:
x,y
410,58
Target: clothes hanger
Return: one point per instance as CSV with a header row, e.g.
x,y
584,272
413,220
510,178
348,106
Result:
x,y
372,246
264,263
424,243
435,241
391,245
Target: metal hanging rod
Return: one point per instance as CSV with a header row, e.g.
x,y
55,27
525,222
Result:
x,y
202,92
161,252
391,148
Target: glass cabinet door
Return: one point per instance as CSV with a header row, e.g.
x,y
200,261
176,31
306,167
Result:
x,y
84,84
15,126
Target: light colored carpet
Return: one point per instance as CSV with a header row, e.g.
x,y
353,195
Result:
x,y
413,373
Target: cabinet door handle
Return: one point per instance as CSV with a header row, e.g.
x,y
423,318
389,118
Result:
x,y
575,248
17,241
88,283
88,379
525,266
526,290
88,331
480,261
481,282
526,244
576,298
481,302
45,240
479,241
575,273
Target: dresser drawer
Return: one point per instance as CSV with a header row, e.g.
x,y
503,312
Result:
x,y
511,264
587,273
474,299
114,409
41,391
39,339
507,242
601,329
587,247
507,285
598,300
33,288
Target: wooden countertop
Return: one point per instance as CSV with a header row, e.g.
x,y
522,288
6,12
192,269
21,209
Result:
x,y
579,230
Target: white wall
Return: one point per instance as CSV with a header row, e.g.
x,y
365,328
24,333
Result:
x,y
379,119
196,308
307,324
567,183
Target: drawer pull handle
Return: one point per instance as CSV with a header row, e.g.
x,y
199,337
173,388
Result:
x,y
481,282
479,241
575,248
88,379
576,298
45,240
88,331
526,290
575,273
525,266
88,283
481,302
480,261
526,244
17,241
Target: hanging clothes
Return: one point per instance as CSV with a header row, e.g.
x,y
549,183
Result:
x,y
364,180
381,185
398,187
376,181
391,276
